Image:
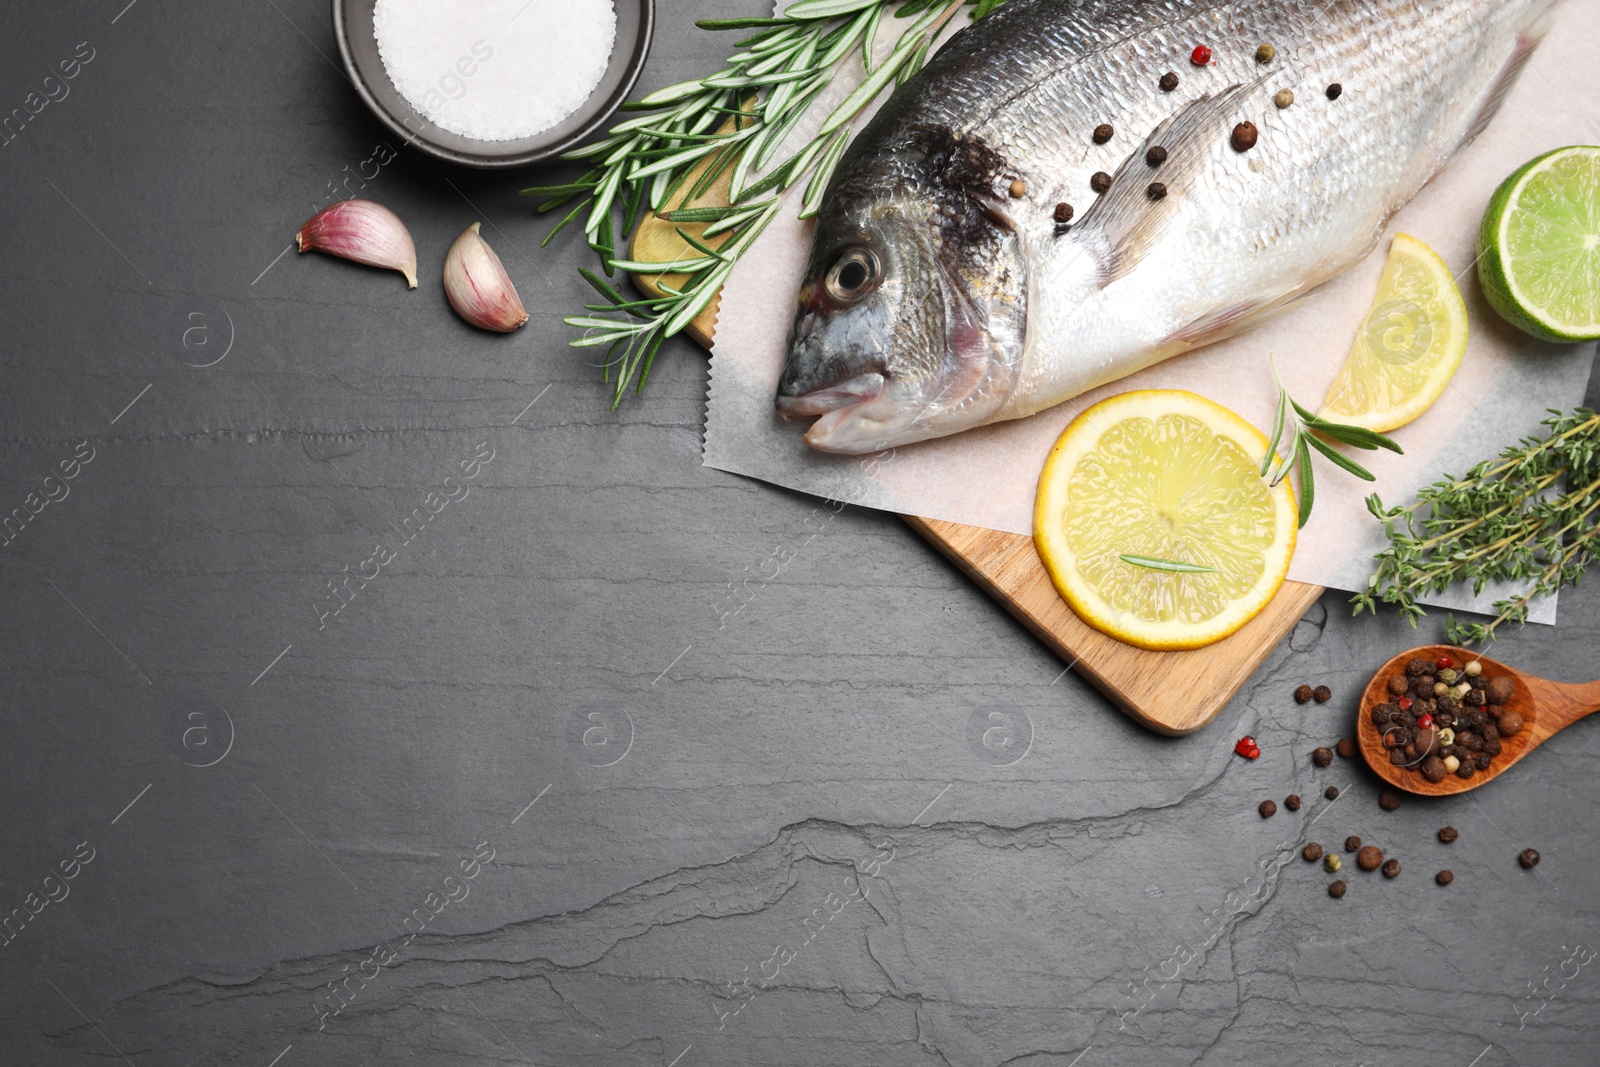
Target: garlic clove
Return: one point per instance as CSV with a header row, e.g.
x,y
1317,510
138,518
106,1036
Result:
x,y
478,287
362,231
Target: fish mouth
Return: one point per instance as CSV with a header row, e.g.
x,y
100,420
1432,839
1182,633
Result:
x,y
862,389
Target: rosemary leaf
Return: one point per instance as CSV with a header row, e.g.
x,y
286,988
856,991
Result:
x,y
1308,492
1338,458
869,36
739,24
1359,436
601,286
1152,563
744,215
574,213
671,94
699,214
822,174
822,9
1279,411
870,87
673,266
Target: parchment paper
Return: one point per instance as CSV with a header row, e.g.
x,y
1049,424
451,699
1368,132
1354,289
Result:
x,y
986,477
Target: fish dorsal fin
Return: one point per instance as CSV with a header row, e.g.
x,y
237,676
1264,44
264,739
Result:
x,y
1125,223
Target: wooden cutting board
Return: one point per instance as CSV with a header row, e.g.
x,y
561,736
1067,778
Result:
x,y
1170,692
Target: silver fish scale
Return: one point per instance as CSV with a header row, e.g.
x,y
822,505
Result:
x,y
1067,67
1135,280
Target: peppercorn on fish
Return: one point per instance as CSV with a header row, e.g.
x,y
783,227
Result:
x,y
971,263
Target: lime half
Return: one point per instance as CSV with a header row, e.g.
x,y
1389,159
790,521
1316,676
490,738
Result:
x,y
1539,248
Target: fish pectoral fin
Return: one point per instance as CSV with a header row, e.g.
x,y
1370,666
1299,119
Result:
x,y
1226,322
1521,52
1130,220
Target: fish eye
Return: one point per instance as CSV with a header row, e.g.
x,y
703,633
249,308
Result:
x,y
853,274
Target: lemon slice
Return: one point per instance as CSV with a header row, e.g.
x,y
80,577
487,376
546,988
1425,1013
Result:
x,y
1164,477
1408,348
1539,247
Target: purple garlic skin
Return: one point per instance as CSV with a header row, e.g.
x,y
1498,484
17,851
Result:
x,y
362,231
478,287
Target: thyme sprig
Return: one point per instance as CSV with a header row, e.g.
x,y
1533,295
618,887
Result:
x,y
1303,428
1527,517
737,119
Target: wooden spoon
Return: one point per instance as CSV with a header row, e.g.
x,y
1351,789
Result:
x,y
1546,708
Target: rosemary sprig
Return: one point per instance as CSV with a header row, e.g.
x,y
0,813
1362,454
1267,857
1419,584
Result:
x,y
684,142
1156,564
1528,517
1303,428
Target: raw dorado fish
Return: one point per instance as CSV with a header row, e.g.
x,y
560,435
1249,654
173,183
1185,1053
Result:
x,y
942,293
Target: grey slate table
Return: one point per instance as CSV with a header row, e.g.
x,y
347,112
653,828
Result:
x,y
535,783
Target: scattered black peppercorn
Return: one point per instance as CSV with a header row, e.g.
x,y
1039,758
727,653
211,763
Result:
x,y
1370,858
1244,137
1169,81
1335,91
1391,868
1444,878
1292,801
1332,792
1156,156
1063,212
1346,748
1448,834
1268,809
1389,799
1322,756
1302,695
1336,888
1312,852
1323,694
1157,191
1100,181
1352,843
1529,858
1103,133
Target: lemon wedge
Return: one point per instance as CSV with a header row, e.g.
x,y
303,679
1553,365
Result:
x,y
1408,348
1154,523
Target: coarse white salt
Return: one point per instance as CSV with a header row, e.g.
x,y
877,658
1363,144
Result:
x,y
495,70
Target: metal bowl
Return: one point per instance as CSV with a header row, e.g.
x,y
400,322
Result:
x,y
358,47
